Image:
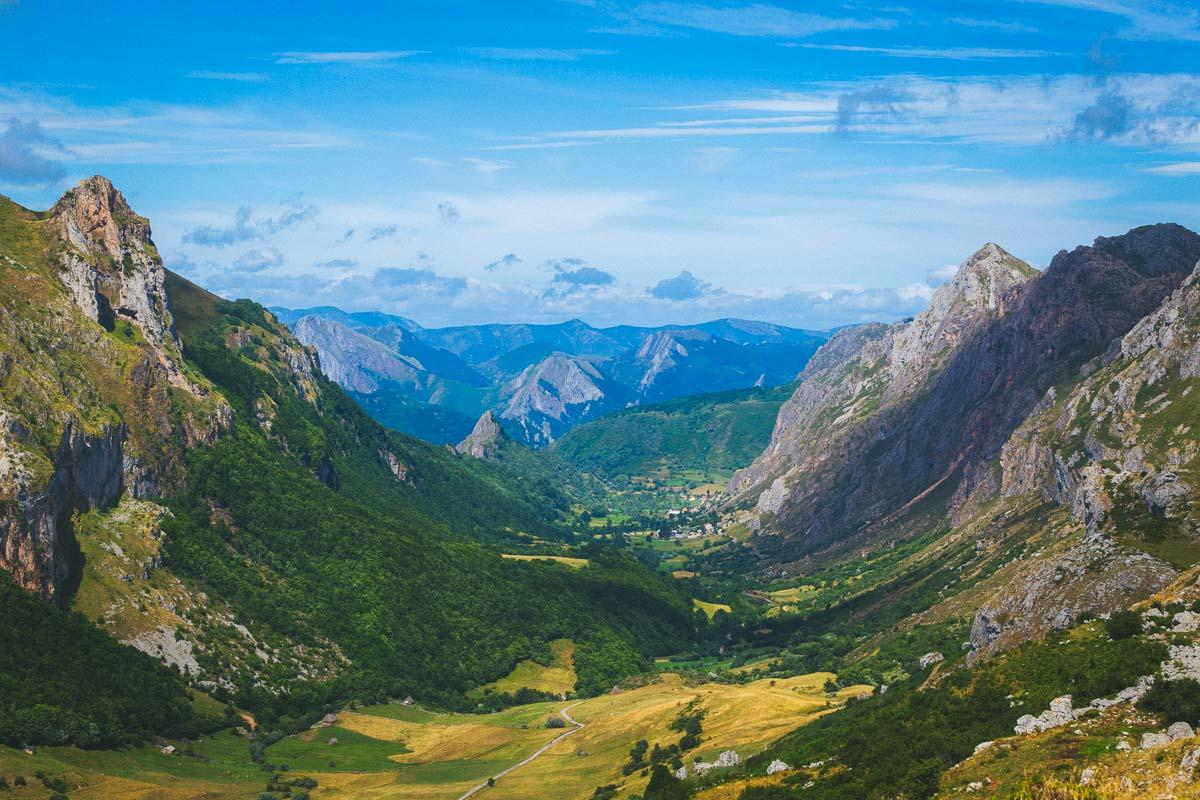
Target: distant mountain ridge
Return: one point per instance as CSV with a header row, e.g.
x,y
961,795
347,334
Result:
x,y
539,380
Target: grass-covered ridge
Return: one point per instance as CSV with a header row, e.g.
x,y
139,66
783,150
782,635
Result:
x,y
313,520
709,436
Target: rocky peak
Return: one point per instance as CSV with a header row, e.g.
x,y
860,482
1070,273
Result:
x,y
977,291
485,439
96,218
110,265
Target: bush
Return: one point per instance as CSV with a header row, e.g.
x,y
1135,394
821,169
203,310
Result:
x,y
767,793
1178,700
556,722
1123,625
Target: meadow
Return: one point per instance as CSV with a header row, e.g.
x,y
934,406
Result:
x,y
399,751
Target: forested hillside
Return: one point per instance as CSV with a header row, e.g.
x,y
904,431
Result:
x,y
286,540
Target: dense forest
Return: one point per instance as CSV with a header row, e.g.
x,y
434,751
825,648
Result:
x,y
64,680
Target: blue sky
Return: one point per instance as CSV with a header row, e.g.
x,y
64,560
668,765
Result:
x,y
624,162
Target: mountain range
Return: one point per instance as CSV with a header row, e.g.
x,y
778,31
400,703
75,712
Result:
x,y
977,530
539,380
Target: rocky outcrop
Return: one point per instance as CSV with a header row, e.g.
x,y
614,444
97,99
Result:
x,y
358,362
37,544
94,397
853,399
110,265
1095,576
485,439
556,393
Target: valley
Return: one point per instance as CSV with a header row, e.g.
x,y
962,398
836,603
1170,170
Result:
x,y
934,532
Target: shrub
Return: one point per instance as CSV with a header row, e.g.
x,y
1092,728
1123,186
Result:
x,y
767,793
1179,700
1123,625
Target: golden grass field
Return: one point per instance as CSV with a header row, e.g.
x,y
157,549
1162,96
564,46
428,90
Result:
x,y
396,751
577,563
710,608
558,678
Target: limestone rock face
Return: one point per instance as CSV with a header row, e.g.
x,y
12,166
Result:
x,y
36,544
94,398
549,397
925,409
111,266
853,394
484,440
1094,576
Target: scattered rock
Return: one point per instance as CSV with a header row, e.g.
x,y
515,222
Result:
x,y
1180,730
1153,740
1187,766
1060,713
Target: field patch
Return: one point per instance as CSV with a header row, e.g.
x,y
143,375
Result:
x,y
710,609
574,563
557,678
393,751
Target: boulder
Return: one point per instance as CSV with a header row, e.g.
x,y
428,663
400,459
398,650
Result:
x,y
1153,740
929,659
729,758
779,766
1180,730
982,746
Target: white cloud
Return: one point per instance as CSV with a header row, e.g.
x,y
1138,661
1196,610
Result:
x,y
943,53
538,53
754,19
1179,168
1009,110
343,56
1148,19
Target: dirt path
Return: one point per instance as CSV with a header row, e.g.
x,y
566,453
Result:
x,y
578,726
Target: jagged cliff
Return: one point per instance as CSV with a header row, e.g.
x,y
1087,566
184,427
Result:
x,y
485,439
855,395
927,406
85,305
1045,420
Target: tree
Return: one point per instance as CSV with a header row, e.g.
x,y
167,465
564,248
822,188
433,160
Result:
x,y
1123,625
665,786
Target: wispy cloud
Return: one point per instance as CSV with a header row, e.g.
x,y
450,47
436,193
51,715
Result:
x,y
506,260
155,133
381,232
28,155
245,229
239,77
1128,109
1179,168
1148,19
538,53
755,19
448,213
343,56
933,53
482,165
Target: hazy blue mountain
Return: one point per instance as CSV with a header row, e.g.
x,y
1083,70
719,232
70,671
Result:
x,y
539,380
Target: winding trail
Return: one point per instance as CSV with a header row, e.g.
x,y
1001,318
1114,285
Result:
x,y
563,713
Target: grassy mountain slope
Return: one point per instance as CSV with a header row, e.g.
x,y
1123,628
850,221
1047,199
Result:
x,y
176,465
711,434
328,539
